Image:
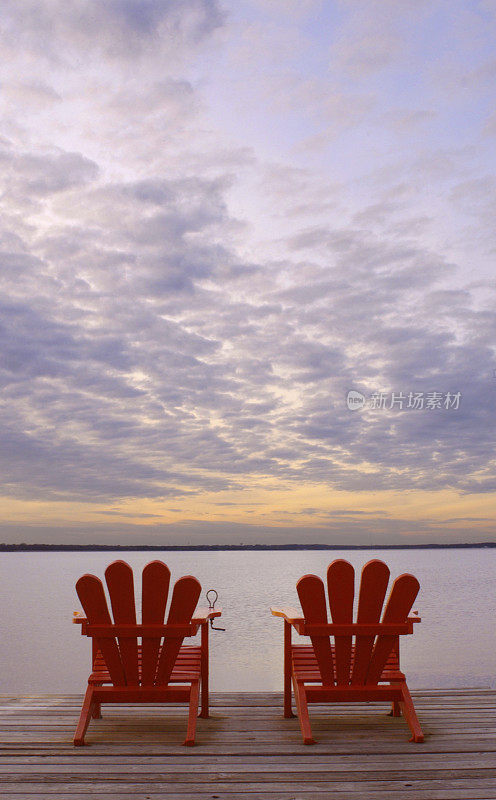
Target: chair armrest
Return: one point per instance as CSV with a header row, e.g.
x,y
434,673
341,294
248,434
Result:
x,y
202,615
289,614
79,619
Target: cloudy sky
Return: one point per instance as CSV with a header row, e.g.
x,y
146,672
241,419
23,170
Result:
x,y
219,218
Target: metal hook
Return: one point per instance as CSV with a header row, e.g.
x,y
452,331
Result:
x,y
211,605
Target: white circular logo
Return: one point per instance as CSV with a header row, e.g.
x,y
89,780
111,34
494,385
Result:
x,y
355,400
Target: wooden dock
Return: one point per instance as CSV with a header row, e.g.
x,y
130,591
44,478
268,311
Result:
x,y
247,750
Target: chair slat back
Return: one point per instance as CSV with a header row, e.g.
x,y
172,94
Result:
x,y
120,584
311,592
341,591
184,599
400,601
373,586
121,652
154,593
364,663
91,593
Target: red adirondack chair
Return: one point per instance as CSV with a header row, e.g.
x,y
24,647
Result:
x,y
362,663
160,669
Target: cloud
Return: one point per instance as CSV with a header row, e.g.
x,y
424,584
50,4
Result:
x,y
117,29
155,366
35,94
33,175
185,309
368,53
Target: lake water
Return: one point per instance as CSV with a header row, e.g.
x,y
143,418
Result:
x,y
454,646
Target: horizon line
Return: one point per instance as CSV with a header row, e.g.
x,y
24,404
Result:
x,y
24,546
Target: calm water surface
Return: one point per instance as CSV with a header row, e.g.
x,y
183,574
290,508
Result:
x,y
454,646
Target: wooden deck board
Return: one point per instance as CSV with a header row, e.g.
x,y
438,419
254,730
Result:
x,y
247,750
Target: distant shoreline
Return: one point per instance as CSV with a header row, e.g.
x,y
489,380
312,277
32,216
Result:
x,y
9,548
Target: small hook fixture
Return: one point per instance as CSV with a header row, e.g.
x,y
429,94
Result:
x,y
211,604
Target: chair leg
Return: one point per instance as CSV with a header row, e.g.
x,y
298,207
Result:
x,y
204,709
193,713
97,711
288,654
87,710
395,709
406,705
303,716
288,711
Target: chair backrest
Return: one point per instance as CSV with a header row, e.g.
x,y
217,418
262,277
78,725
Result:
x,y
363,663
117,639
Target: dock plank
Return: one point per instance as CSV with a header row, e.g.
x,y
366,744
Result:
x,y
248,750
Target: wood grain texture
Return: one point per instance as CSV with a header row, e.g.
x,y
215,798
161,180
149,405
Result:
x,y
247,750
